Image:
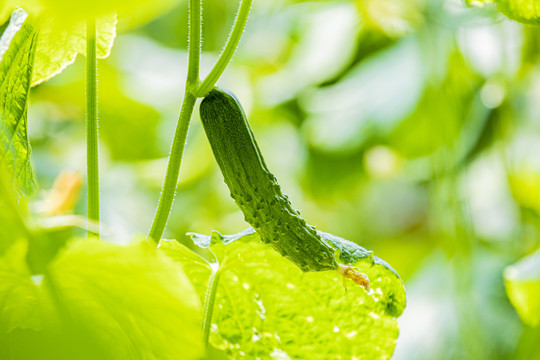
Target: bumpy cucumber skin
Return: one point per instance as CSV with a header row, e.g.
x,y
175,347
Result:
x,y
255,189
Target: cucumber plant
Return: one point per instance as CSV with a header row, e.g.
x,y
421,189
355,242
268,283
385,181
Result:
x,y
238,261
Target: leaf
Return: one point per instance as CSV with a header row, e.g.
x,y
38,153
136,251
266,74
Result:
x,y
60,41
19,295
479,3
522,281
98,301
394,18
133,12
387,85
15,23
194,265
11,224
59,45
205,241
15,75
326,34
123,303
5,13
266,307
525,187
523,11
452,102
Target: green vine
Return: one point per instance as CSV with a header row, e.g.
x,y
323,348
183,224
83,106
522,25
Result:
x,y
228,50
194,90
92,160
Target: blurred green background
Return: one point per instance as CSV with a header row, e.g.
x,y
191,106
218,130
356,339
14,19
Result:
x,y
410,127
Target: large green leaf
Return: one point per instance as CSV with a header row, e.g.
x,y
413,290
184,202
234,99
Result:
x,y
59,45
19,296
524,11
266,307
15,77
11,224
522,281
129,297
60,41
100,301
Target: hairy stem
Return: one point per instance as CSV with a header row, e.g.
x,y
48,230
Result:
x,y
177,149
173,168
92,163
194,89
194,46
228,50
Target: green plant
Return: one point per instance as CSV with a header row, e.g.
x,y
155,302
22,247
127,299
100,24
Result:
x,y
64,295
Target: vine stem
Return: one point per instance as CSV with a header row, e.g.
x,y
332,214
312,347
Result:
x,y
194,90
173,168
92,161
177,149
209,302
228,50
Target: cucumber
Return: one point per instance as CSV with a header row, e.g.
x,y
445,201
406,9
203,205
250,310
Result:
x,y
255,189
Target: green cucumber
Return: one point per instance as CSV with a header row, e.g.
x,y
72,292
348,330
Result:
x,y
256,190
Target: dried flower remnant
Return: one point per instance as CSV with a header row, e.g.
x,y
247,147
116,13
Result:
x,y
63,196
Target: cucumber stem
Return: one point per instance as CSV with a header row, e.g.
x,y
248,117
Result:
x,y
168,188
194,89
194,43
228,50
173,168
92,161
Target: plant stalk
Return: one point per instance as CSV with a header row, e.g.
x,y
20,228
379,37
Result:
x,y
177,149
92,161
173,168
194,90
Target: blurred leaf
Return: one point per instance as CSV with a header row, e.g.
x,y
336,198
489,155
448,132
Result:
x,y
440,115
15,76
524,11
395,18
522,281
372,98
134,12
99,301
125,122
16,20
5,13
11,224
59,44
19,295
126,302
194,265
479,3
525,187
146,11
326,44
266,307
